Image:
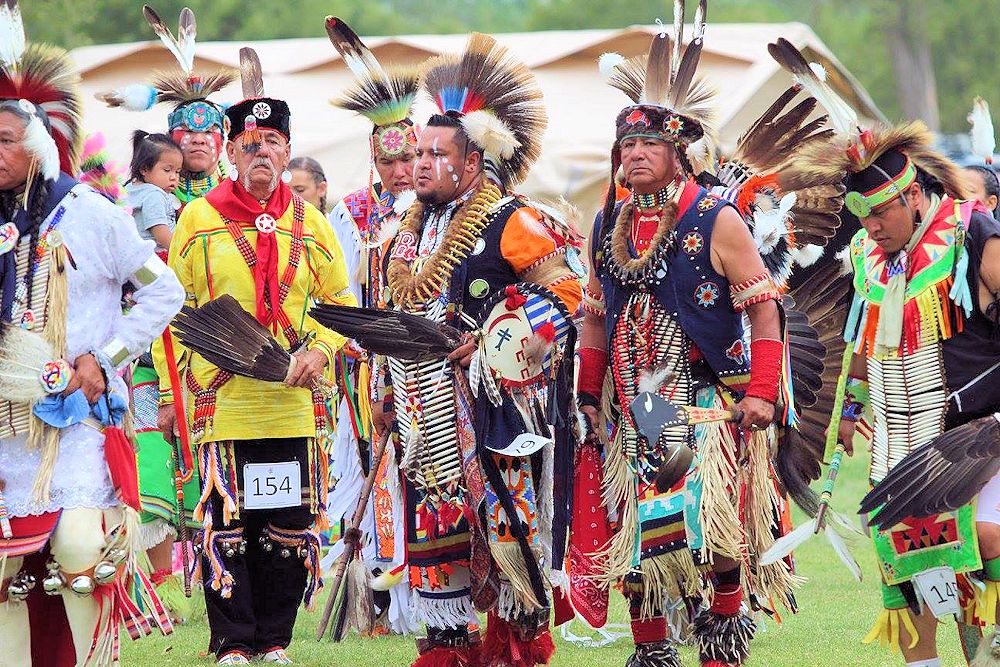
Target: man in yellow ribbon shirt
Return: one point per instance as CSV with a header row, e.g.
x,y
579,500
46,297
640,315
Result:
x,y
264,470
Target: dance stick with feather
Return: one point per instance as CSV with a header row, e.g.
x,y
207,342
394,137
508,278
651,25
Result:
x,y
352,538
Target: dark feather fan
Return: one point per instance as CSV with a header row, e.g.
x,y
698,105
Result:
x,y
231,338
815,313
940,476
389,332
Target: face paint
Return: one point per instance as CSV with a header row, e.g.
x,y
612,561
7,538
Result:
x,y
437,159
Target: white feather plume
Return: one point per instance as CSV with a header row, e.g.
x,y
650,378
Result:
x,y
806,255
11,33
489,132
838,544
40,143
652,379
788,543
769,225
404,200
608,62
134,97
818,70
844,255
984,140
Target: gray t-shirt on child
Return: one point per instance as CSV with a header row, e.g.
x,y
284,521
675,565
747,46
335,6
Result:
x,y
151,206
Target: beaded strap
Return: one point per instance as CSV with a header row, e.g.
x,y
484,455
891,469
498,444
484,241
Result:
x,y
205,397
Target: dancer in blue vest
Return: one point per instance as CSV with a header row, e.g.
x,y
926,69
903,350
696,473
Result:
x,y
676,272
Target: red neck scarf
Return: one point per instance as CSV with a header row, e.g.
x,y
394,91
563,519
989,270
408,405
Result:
x,y
232,201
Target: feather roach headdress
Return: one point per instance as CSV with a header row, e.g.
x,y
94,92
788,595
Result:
x,y
669,103
880,162
186,91
44,82
383,96
498,102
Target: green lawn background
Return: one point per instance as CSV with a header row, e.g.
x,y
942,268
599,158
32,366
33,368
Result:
x,y
835,613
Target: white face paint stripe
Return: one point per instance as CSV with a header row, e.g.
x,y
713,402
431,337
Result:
x,y
437,158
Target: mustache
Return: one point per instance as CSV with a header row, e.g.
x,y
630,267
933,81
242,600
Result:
x,y
260,162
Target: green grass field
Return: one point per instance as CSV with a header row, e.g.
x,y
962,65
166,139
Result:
x,y
835,613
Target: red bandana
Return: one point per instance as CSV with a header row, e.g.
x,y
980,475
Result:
x,y
232,201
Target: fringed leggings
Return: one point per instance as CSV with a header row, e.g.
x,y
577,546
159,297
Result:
x,y
256,566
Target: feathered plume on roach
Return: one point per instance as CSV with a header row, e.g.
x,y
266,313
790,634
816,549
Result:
x,y
383,96
498,100
665,75
44,76
174,88
171,87
231,338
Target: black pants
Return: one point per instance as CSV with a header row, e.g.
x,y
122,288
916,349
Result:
x,y
267,586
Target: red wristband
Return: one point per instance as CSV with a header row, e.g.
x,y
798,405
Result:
x,y
593,368
765,368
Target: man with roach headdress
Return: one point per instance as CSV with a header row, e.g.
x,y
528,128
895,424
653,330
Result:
x,y
261,445
484,433
195,123
676,273
366,221
923,327
68,482
922,348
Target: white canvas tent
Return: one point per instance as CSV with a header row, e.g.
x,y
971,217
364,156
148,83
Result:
x,y
574,163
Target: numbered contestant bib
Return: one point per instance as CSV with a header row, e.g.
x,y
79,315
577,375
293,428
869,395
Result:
x,y
271,485
939,589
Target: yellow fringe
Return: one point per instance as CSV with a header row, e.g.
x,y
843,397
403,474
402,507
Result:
x,y
888,626
718,512
671,574
986,603
507,556
41,435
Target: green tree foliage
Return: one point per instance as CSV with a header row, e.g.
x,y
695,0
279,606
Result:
x,y
962,35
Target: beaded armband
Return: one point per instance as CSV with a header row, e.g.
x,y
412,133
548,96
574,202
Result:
x,y
855,399
757,289
593,303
